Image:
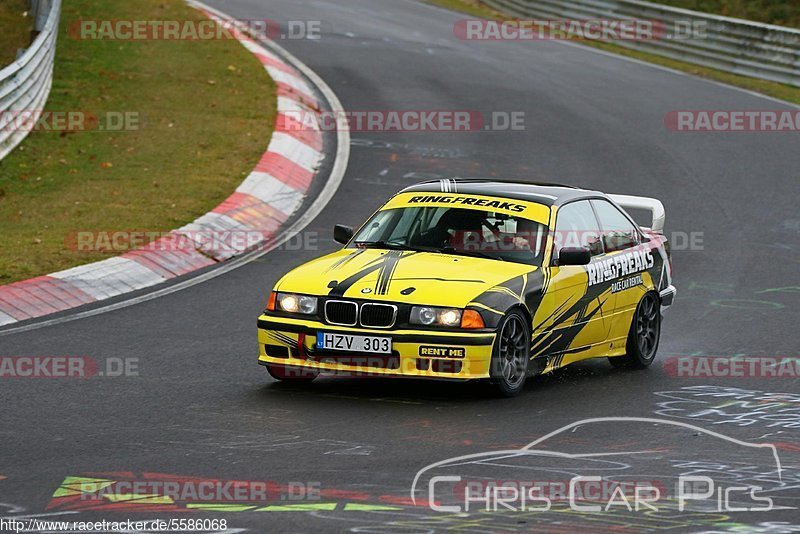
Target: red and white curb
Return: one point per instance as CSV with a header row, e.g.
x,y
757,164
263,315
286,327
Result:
x,y
260,206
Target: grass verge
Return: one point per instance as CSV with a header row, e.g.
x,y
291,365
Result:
x,y
205,112
773,89
15,29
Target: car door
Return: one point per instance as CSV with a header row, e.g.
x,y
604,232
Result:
x,y
620,237
574,313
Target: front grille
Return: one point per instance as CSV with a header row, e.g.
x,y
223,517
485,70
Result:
x,y
378,315
341,312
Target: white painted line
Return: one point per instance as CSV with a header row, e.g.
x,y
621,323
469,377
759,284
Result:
x,y
256,48
587,48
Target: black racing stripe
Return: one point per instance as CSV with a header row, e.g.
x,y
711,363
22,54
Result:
x,y
497,301
388,267
515,285
534,292
283,338
546,282
496,298
529,284
557,339
343,261
341,288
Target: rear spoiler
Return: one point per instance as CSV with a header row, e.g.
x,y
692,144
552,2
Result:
x,y
655,207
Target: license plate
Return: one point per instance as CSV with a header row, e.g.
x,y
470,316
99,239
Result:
x,y
349,343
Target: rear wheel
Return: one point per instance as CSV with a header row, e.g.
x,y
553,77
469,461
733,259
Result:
x,y
288,373
509,366
644,335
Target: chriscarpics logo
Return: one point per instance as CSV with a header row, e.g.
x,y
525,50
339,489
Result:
x,y
620,265
583,470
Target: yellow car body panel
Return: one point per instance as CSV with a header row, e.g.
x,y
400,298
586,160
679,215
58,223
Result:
x,y
439,279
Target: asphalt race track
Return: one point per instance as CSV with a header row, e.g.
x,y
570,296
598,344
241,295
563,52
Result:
x,y
201,406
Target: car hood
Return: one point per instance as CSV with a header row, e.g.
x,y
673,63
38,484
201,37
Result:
x,y
400,276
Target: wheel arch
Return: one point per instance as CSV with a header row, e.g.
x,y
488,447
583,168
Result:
x,y
520,307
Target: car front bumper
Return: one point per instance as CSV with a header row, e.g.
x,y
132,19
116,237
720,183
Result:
x,y
415,353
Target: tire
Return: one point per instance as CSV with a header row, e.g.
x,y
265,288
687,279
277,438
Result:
x,y
511,355
644,335
288,373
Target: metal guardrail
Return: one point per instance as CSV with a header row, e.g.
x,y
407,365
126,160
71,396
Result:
x,y
25,84
732,45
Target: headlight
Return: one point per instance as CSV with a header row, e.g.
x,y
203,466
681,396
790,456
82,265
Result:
x,y
426,315
292,303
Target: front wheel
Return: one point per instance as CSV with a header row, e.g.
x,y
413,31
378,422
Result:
x,y
288,373
511,354
644,335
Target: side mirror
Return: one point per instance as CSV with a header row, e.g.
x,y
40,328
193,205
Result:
x,y
574,256
343,234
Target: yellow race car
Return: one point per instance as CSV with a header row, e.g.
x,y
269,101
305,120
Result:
x,y
475,279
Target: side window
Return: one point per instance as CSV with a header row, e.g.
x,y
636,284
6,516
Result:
x,y
576,226
618,232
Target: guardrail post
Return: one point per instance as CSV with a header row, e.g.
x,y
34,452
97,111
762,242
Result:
x,y
40,10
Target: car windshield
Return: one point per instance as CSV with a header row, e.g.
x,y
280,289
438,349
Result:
x,y
459,231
